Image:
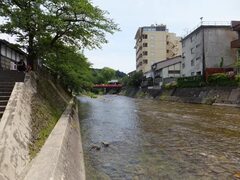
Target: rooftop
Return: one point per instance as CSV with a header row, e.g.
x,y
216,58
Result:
x,y
167,62
12,46
153,27
208,24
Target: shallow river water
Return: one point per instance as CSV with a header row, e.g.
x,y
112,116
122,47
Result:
x,y
150,139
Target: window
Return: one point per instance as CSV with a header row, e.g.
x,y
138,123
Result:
x,y
183,44
145,61
192,73
198,58
183,65
173,71
196,35
183,55
192,62
145,53
145,36
145,44
199,73
192,50
192,39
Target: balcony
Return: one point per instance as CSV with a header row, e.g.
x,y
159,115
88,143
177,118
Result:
x,y
235,44
236,25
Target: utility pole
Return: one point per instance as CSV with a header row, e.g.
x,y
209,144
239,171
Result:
x,y
203,55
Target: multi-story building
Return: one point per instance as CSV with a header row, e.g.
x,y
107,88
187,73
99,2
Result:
x,y
208,46
10,55
153,44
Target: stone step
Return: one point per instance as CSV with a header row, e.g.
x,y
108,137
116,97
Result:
x,y
7,84
2,108
13,76
4,98
5,93
3,102
6,89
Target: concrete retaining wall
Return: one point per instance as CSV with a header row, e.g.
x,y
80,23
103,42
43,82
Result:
x,y
205,95
15,131
61,157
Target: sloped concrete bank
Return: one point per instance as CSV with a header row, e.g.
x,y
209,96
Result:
x,y
61,157
224,96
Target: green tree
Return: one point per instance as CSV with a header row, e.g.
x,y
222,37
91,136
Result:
x,y
134,80
40,24
103,75
108,73
71,67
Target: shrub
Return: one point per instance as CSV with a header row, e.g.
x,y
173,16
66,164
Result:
x,y
192,81
221,79
237,78
171,85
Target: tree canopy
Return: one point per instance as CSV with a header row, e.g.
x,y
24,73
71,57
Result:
x,y
71,67
40,24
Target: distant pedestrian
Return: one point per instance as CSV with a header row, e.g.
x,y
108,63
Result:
x,y
21,66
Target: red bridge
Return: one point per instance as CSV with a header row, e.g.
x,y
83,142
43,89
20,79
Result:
x,y
110,86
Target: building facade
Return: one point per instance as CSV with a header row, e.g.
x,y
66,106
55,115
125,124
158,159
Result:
x,y
10,55
166,71
153,44
236,27
208,46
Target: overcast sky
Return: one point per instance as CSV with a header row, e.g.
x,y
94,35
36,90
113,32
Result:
x,y
180,16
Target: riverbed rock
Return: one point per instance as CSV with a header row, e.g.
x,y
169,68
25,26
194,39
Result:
x,y
105,144
237,175
95,147
203,154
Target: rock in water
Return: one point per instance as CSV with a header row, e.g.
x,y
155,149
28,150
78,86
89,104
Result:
x,y
237,175
105,144
95,147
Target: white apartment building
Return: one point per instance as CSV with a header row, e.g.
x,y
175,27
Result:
x,y
153,44
206,47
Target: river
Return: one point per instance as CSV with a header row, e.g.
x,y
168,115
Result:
x,y
151,139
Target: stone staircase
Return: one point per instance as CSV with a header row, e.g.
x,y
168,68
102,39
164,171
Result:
x,y
7,82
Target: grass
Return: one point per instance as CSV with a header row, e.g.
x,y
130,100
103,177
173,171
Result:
x,y
47,107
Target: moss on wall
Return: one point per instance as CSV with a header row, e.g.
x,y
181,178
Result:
x,y
47,106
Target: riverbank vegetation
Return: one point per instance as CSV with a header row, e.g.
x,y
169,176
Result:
x,y
47,106
133,80
217,79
